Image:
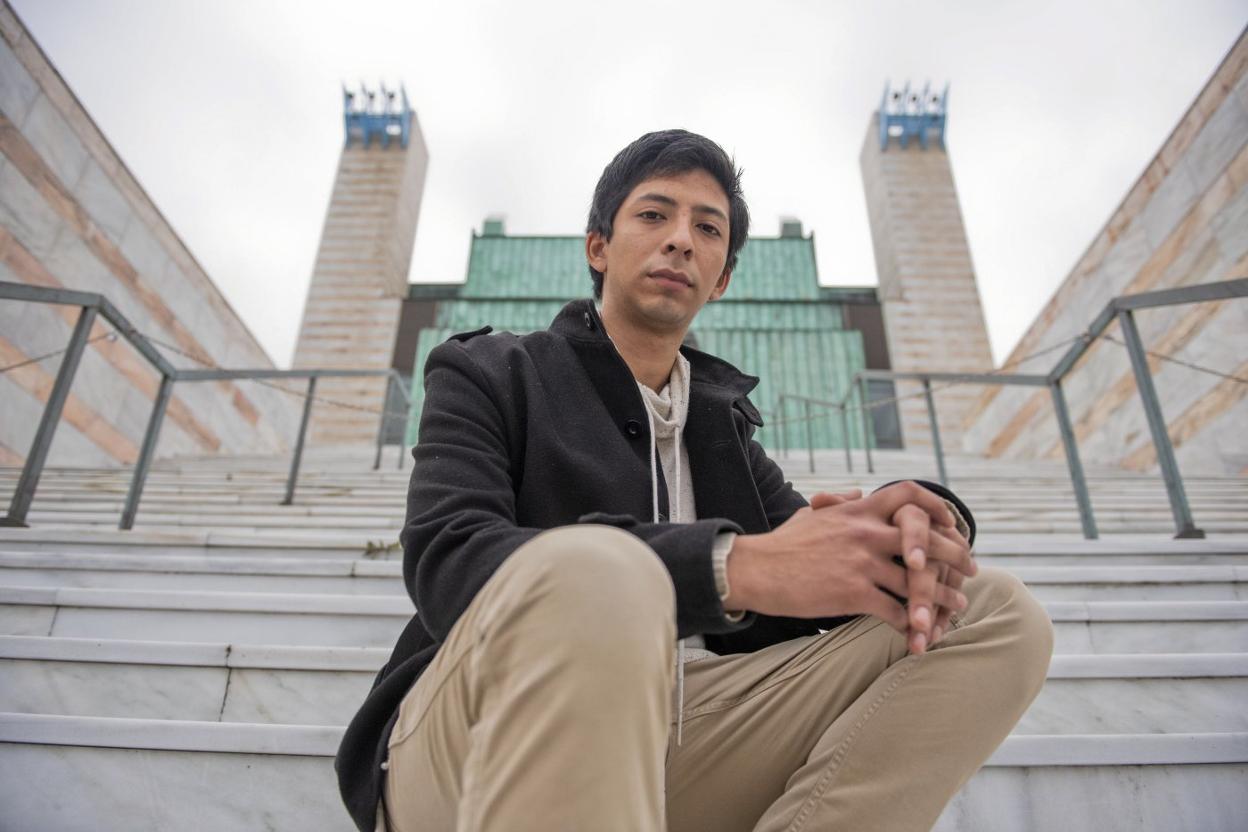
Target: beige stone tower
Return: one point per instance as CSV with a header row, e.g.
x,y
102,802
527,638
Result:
x,y
932,315
360,277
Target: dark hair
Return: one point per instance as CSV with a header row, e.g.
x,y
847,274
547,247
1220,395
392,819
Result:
x,y
665,153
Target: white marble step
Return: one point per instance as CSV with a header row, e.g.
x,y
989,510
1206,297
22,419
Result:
x,y
317,543
386,518
273,519
202,573
1124,581
1179,693
147,774
278,618
985,492
388,526
375,620
225,542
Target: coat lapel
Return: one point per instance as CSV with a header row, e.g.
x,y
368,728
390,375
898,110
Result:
x,y
714,435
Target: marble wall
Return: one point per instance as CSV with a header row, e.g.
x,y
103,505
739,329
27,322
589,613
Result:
x,y
73,216
1184,222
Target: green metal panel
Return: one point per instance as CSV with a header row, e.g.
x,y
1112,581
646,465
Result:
x,y
533,267
810,363
776,322
764,315
554,267
517,315
776,269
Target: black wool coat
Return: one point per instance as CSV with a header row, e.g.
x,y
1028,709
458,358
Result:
x,y
520,434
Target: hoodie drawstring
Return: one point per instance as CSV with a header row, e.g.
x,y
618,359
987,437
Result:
x,y
675,512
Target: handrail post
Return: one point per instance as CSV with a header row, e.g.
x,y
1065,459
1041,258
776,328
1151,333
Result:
x,y
866,424
810,437
784,428
405,396
849,458
1077,480
931,417
289,499
385,418
33,469
1157,426
146,453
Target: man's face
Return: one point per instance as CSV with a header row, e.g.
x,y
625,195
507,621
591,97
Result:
x,y
667,251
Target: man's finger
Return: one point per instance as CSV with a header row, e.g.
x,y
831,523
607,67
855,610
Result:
x,y
885,502
954,552
824,499
914,524
883,607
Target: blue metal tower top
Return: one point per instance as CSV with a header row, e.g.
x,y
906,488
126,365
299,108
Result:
x,y
906,114
384,115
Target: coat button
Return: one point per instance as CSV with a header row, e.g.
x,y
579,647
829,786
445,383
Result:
x,y
633,428
589,321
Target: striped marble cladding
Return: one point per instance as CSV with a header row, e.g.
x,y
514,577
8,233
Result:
x,y
1184,222
72,215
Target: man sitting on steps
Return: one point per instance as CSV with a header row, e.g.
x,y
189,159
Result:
x,y
628,620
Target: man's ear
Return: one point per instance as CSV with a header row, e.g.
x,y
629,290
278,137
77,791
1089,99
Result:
x,y
721,285
596,251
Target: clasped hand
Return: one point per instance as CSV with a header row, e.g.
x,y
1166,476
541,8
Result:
x,y
838,557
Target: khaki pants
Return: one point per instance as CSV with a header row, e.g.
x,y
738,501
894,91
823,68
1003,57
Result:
x,y
550,707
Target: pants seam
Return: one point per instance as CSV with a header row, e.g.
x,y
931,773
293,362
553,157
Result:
x,y
442,683
842,751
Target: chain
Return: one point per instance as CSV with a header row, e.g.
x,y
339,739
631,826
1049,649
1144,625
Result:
x,y
1170,358
106,336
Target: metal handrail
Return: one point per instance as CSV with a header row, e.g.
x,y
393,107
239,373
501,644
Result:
x,y
808,403
1122,309
95,305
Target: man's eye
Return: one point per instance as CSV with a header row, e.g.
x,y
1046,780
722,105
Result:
x,y
650,215
710,229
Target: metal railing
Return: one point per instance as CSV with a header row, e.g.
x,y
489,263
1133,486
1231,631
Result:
x,y
1119,309
95,306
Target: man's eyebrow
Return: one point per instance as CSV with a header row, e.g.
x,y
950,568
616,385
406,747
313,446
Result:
x,y
663,199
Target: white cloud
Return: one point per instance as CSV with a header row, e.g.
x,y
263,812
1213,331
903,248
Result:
x,y
229,114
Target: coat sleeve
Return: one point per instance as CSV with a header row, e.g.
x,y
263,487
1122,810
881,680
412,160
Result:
x,y
461,508
461,519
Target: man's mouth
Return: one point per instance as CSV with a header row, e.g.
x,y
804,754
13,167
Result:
x,y
671,277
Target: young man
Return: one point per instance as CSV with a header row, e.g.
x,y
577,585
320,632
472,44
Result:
x,y
585,497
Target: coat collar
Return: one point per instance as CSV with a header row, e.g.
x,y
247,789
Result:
x,y
580,323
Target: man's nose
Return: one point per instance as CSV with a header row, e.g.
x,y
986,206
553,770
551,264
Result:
x,y
680,240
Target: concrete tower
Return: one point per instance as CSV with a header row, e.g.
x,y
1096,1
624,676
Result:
x,y
360,277
932,315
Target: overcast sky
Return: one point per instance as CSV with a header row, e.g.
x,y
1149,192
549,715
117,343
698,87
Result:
x,y
229,114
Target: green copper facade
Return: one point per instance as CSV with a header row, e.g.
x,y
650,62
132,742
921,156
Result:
x,y
775,322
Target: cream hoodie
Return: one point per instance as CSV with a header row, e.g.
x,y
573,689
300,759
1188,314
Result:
x,y
666,411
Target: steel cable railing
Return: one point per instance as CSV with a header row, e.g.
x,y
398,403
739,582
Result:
x,y
1120,309
94,306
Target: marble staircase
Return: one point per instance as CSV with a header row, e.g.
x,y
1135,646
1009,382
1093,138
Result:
x,y
195,672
